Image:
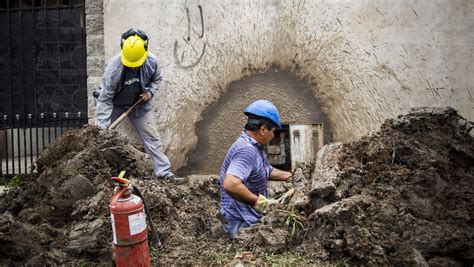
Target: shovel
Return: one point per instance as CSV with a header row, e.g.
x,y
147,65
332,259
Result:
x,y
279,202
285,197
124,115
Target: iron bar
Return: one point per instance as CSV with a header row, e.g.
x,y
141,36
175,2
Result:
x,y
55,128
31,140
78,120
5,119
18,142
36,132
66,125
60,126
25,155
13,146
42,129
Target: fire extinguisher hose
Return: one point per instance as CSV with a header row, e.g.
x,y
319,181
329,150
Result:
x,y
154,234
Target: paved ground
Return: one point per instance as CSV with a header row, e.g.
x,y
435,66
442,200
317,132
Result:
x,y
3,190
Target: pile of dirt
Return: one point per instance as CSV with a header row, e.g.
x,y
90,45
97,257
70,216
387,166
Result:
x,y
402,195
61,215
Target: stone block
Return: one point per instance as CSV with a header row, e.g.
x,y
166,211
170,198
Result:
x,y
93,83
95,23
95,66
94,7
326,173
95,45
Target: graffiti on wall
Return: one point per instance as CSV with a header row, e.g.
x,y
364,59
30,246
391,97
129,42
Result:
x,y
191,50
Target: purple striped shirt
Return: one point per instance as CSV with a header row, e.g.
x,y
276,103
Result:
x,y
247,161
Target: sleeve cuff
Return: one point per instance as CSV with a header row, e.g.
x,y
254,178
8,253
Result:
x,y
255,204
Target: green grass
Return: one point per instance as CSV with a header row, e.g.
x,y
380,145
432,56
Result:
x,y
288,258
293,221
222,258
15,181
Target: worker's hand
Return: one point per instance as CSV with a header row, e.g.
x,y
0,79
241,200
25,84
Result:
x,y
263,203
146,96
290,177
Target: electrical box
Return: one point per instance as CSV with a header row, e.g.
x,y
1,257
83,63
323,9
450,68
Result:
x,y
295,144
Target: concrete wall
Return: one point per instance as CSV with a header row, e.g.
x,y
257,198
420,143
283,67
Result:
x,y
364,61
223,122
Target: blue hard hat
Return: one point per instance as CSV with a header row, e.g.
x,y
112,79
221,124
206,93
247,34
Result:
x,y
265,109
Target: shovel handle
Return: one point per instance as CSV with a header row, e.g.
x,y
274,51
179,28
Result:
x,y
124,115
285,196
118,120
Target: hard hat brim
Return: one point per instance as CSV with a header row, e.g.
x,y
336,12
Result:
x,y
134,64
266,109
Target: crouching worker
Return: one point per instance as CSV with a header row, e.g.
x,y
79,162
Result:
x,y
246,170
132,74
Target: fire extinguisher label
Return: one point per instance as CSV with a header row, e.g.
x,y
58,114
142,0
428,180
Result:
x,y
137,223
114,235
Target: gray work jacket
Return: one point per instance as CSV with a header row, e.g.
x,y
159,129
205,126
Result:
x,y
150,80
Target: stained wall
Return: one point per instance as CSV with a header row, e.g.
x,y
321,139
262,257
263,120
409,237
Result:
x,y
364,61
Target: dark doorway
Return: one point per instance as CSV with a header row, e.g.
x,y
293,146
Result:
x,y
43,77
43,58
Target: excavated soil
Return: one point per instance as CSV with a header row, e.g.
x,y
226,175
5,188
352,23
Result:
x,y
400,196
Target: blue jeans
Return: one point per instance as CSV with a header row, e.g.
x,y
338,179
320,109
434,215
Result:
x,y
150,139
233,228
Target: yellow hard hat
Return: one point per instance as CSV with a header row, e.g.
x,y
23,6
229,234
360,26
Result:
x,y
134,46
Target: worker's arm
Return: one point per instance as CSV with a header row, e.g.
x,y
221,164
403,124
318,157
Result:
x,y
236,188
108,86
155,79
279,175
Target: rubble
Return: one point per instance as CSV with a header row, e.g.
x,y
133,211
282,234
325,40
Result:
x,y
399,196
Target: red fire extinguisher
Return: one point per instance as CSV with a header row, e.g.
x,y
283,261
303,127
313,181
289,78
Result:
x,y
129,228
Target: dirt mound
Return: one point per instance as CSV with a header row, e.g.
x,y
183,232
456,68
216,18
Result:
x,y
402,195
64,209
62,217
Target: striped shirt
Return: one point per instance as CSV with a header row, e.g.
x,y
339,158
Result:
x,y
247,161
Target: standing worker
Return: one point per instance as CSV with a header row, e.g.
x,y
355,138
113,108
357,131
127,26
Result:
x,y
132,74
246,170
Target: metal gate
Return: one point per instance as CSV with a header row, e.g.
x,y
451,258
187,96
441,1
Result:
x,y
43,79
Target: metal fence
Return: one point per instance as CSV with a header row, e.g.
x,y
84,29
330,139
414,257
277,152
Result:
x,y
23,138
43,58
42,75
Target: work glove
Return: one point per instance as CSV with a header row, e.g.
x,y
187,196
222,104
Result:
x,y
263,203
